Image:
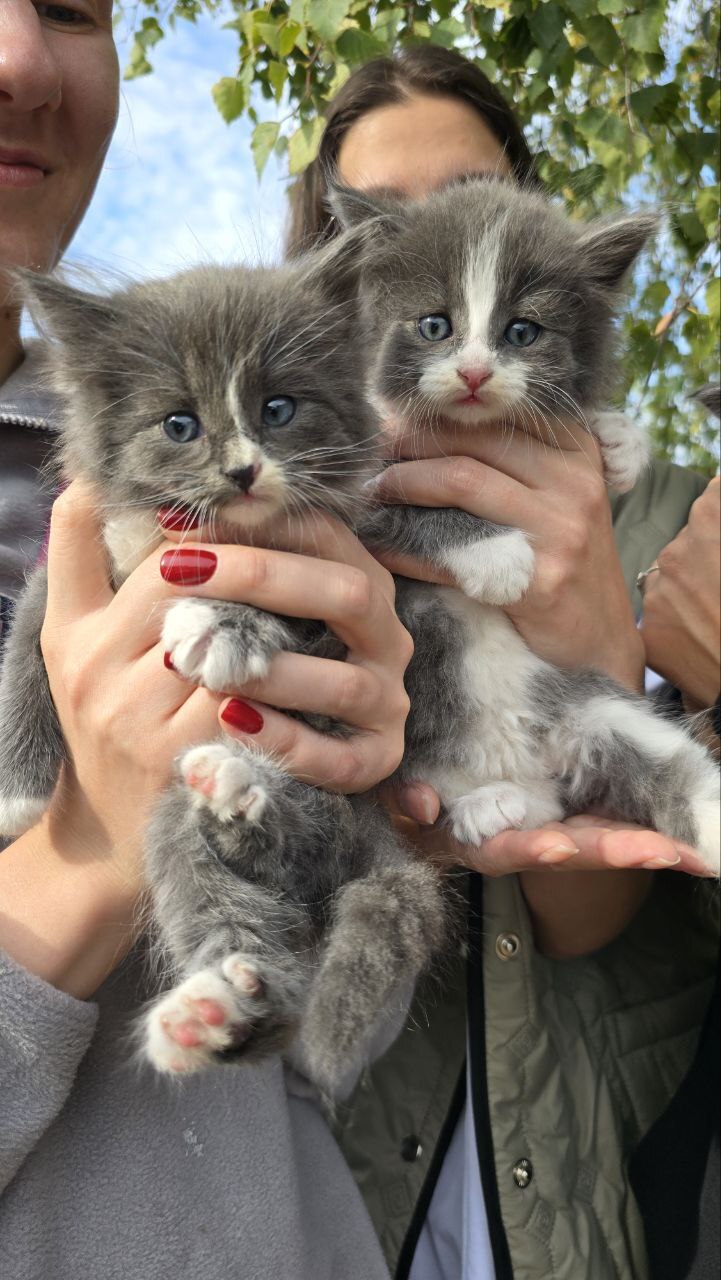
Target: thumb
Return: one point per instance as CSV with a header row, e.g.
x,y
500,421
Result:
x,y
78,576
418,800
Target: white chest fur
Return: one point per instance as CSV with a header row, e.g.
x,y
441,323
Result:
x,y
131,537
498,671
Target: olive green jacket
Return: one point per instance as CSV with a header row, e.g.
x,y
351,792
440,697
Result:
x,y
572,1061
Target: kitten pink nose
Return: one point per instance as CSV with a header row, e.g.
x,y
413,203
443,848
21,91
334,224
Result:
x,y
474,378
243,477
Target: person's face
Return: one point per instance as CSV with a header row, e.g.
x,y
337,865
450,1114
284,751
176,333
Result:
x,y
415,146
58,107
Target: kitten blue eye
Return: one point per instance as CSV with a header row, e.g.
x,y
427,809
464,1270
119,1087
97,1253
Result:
x,y
278,412
435,328
181,428
521,333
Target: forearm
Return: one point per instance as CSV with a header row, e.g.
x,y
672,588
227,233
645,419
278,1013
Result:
x,y
64,916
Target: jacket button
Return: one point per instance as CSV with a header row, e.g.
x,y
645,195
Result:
x,y
507,946
522,1173
411,1148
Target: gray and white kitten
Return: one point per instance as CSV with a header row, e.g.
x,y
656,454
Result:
x,y
232,395
484,303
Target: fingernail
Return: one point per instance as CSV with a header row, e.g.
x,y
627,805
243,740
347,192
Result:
x,y
424,810
168,662
177,518
188,566
557,853
240,715
660,864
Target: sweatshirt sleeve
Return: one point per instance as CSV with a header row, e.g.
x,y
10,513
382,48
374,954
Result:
x,y
44,1034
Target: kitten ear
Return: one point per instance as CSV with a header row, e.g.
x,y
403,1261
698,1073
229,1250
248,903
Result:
x,y
67,316
610,246
353,208
337,265
710,397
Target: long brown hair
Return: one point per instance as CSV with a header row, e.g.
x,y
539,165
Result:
x,y
425,69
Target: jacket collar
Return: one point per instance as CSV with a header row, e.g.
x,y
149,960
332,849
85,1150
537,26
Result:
x,y
24,401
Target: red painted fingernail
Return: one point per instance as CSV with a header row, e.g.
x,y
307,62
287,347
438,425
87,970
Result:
x,y
177,518
188,566
168,662
242,716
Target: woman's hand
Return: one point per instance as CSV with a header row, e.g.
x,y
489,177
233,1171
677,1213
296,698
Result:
x,y
681,626
70,888
576,611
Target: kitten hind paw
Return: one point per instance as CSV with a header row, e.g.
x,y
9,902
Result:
x,y
211,1012
224,782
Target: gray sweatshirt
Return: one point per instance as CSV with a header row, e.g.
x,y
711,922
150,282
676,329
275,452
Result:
x,y
107,1171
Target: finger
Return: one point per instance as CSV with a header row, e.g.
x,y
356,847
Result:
x,y
598,848
420,802
276,581
346,691
346,766
421,570
530,453
317,535
78,577
461,482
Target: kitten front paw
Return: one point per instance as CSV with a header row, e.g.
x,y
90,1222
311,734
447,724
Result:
x,y
226,783
625,449
211,1012
496,570
483,813
220,646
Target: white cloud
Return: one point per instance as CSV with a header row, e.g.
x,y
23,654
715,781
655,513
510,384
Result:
x,y
179,184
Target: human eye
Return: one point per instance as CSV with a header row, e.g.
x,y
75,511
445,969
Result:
x,y
70,16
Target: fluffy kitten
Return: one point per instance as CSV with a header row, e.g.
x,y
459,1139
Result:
x,y
229,394
484,303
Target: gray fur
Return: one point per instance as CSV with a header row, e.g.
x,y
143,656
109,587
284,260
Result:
x,y
280,896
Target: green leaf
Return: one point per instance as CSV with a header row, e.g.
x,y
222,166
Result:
x,y
607,7
602,39
707,207
447,33
713,298
355,46
138,63
277,75
262,142
326,17
547,23
288,37
657,103
230,97
303,145
642,31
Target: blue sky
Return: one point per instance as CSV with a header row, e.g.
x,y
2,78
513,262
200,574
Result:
x,y
179,185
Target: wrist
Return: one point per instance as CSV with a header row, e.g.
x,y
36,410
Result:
x,y
67,916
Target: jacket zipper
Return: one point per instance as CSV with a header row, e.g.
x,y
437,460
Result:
x,y
33,424
479,1083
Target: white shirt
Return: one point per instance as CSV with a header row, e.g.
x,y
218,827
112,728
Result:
x,y
454,1243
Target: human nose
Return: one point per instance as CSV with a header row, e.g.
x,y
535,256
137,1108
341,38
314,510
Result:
x,y
30,75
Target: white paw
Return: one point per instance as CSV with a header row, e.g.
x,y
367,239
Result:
x,y
207,653
19,813
224,782
209,1012
708,841
625,449
484,812
496,570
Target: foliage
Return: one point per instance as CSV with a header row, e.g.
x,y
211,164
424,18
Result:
x,y
620,100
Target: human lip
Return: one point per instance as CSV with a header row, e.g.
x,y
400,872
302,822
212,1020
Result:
x,y
21,168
